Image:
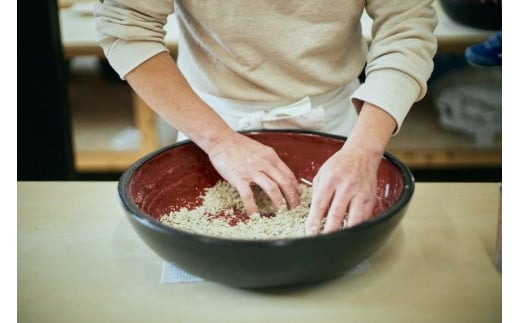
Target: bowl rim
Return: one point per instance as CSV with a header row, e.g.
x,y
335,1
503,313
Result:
x,y
137,214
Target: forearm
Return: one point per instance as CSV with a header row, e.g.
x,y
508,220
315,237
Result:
x,y
372,131
162,86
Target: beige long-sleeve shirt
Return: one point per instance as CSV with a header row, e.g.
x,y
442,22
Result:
x,y
281,50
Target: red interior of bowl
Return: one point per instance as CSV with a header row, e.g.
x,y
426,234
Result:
x,y
177,177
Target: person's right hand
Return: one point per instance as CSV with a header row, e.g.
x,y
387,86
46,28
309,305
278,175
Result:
x,y
243,161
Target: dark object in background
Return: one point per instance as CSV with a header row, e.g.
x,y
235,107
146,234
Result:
x,y
44,147
483,14
486,54
174,176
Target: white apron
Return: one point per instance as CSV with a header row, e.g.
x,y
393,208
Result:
x,y
331,112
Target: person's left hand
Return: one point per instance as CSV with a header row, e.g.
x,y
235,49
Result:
x,y
346,183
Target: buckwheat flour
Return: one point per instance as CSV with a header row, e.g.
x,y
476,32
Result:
x,y
222,214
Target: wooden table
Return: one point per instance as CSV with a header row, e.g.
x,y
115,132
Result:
x,y
79,260
78,39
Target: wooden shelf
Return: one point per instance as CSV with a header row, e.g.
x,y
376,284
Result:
x,y
424,143
103,108
105,160
112,127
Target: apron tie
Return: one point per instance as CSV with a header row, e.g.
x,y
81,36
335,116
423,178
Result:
x,y
330,112
299,114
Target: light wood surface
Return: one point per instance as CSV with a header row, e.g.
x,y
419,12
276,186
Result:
x,y
79,260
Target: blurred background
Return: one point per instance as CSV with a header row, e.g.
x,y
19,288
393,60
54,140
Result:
x,y
78,121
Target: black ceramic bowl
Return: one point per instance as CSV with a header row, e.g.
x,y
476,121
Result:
x,y
175,176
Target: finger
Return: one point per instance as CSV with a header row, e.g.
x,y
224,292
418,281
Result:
x,y
248,198
360,210
337,212
270,188
319,206
280,173
289,186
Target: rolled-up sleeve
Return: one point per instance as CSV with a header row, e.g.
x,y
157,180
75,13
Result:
x,y
131,32
400,57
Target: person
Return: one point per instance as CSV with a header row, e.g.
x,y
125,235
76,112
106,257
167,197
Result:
x,y
288,64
